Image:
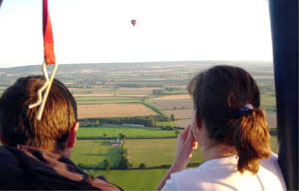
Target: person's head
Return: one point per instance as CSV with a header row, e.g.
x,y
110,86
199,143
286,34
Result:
x,y
221,96
19,124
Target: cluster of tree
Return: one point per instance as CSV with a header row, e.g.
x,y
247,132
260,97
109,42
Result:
x,y
175,107
107,165
124,162
147,121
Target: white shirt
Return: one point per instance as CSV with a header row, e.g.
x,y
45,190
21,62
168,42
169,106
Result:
x,y
222,174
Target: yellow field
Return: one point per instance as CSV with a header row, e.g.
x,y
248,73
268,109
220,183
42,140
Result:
x,y
93,95
120,95
113,110
138,89
106,95
173,97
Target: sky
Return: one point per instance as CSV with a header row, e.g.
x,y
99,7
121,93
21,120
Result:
x,y
100,31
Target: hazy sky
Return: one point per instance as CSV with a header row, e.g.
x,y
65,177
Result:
x,y
95,31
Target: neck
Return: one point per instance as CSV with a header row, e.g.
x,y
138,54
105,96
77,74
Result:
x,y
215,151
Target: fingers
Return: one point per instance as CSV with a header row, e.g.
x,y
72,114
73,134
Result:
x,y
188,138
185,133
189,135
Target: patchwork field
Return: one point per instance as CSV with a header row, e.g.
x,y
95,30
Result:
x,y
182,123
179,113
112,91
130,90
113,110
93,95
181,109
173,104
108,95
92,100
113,132
172,97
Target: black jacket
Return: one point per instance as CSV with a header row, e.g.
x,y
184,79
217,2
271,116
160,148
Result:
x,y
28,168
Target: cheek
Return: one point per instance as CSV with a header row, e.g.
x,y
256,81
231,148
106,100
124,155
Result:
x,y
193,119
194,132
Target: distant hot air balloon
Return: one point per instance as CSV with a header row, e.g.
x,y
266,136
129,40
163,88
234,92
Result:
x,y
133,22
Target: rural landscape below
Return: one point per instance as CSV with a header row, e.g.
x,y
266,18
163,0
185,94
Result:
x,y
131,113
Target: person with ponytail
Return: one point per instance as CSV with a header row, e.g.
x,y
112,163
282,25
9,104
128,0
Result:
x,y
232,132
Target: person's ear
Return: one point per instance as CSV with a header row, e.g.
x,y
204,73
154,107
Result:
x,y
72,135
196,121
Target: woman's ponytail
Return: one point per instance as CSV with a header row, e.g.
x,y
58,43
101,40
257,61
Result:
x,y
252,140
219,95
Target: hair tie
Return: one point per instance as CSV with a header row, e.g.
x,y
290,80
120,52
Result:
x,y
246,109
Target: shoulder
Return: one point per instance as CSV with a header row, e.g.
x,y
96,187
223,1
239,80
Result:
x,y
199,178
181,180
10,167
271,164
7,159
102,184
270,173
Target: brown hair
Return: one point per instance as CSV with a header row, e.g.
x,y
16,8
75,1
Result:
x,y
219,94
19,124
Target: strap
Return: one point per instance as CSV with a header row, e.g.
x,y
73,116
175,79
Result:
x,y
48,36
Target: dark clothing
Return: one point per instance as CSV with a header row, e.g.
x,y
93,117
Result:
x,y
28,168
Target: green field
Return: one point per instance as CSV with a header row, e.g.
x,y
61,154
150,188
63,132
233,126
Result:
x,y
154,152
274,144
151,152
166,124
268,102
133,179
92,153
113,132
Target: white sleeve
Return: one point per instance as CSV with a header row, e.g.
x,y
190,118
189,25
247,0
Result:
x,y
170,185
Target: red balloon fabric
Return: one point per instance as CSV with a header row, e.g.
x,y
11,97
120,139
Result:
x,y
48,36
